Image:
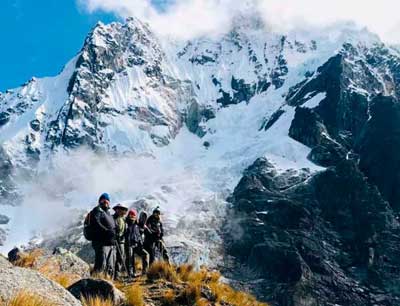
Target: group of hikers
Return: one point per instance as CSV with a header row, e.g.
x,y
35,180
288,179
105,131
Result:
x,y
118,238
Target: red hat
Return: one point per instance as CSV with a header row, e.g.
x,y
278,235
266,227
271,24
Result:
x,y
132,213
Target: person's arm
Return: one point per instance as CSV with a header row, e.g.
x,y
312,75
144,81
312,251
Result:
x,y
147,227
97,219
161,230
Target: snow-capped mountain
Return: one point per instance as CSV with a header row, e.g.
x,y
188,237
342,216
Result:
x,y
172,123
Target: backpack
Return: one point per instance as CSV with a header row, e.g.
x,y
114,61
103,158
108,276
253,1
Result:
x,y
88,230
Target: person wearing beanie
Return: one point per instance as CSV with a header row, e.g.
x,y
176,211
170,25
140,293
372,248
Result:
x,y
119,217
103,227
134,244
154,236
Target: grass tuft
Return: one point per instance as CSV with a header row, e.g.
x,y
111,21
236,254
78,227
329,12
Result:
x,y
64,279
162,270
96,301
192,293
169,298
28,260
184,271
27,298
202,302
134,296
103,276
227,294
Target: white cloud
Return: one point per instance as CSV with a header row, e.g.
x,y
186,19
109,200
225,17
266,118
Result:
x,y
187,18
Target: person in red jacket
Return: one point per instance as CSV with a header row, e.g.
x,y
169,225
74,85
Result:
x,y
134,244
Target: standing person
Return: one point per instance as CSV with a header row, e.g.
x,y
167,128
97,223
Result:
x,y
134,244
154,236
119,217
103,236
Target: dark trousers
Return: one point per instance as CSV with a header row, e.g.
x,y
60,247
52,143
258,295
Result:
x,y
153,246
105,257
119,264
130,259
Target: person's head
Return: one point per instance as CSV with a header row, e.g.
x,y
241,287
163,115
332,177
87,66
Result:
x,y
157,213
132,215
104,201
120,210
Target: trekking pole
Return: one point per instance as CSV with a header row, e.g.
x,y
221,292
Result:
x,y
123,261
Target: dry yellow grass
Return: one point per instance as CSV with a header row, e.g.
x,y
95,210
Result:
x,y
51,270
214,276
169,298
103,276
28,260
64,279
134,296
224,292
26,298
184,271
192,293
202,302
162,270
96,301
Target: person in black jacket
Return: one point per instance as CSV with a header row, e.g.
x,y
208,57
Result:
x,y
134,244
104,240
154,236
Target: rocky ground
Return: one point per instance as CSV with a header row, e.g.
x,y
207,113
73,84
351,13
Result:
x,y
61,278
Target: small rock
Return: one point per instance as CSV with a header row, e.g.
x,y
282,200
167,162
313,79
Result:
x,y
14,255
4,220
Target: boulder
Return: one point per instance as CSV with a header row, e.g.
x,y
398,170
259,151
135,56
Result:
x,y
90,287
63,261
15,279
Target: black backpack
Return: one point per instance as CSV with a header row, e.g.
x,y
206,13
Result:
x,y
88,230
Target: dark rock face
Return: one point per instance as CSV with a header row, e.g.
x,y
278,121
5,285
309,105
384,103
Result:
x,y
324,239
4,118
353,119
242,92
8,190
4,220
196,116
379,148
307,128
349,83
271,120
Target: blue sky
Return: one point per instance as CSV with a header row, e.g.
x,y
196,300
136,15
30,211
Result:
x,y
39,36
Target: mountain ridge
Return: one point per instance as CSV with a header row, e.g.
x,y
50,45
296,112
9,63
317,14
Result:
x,y
176,124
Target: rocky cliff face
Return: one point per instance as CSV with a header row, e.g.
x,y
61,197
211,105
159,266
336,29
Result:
x,y
324,239
187,118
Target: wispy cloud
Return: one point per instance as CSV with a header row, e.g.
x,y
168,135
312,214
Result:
x,y
188,18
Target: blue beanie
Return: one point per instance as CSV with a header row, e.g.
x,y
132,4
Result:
x,y
105,196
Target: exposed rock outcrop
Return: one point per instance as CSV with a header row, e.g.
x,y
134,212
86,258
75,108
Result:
x,y
62,261
321,240
15,279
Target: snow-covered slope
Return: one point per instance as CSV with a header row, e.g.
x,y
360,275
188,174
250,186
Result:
x,y
164,122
